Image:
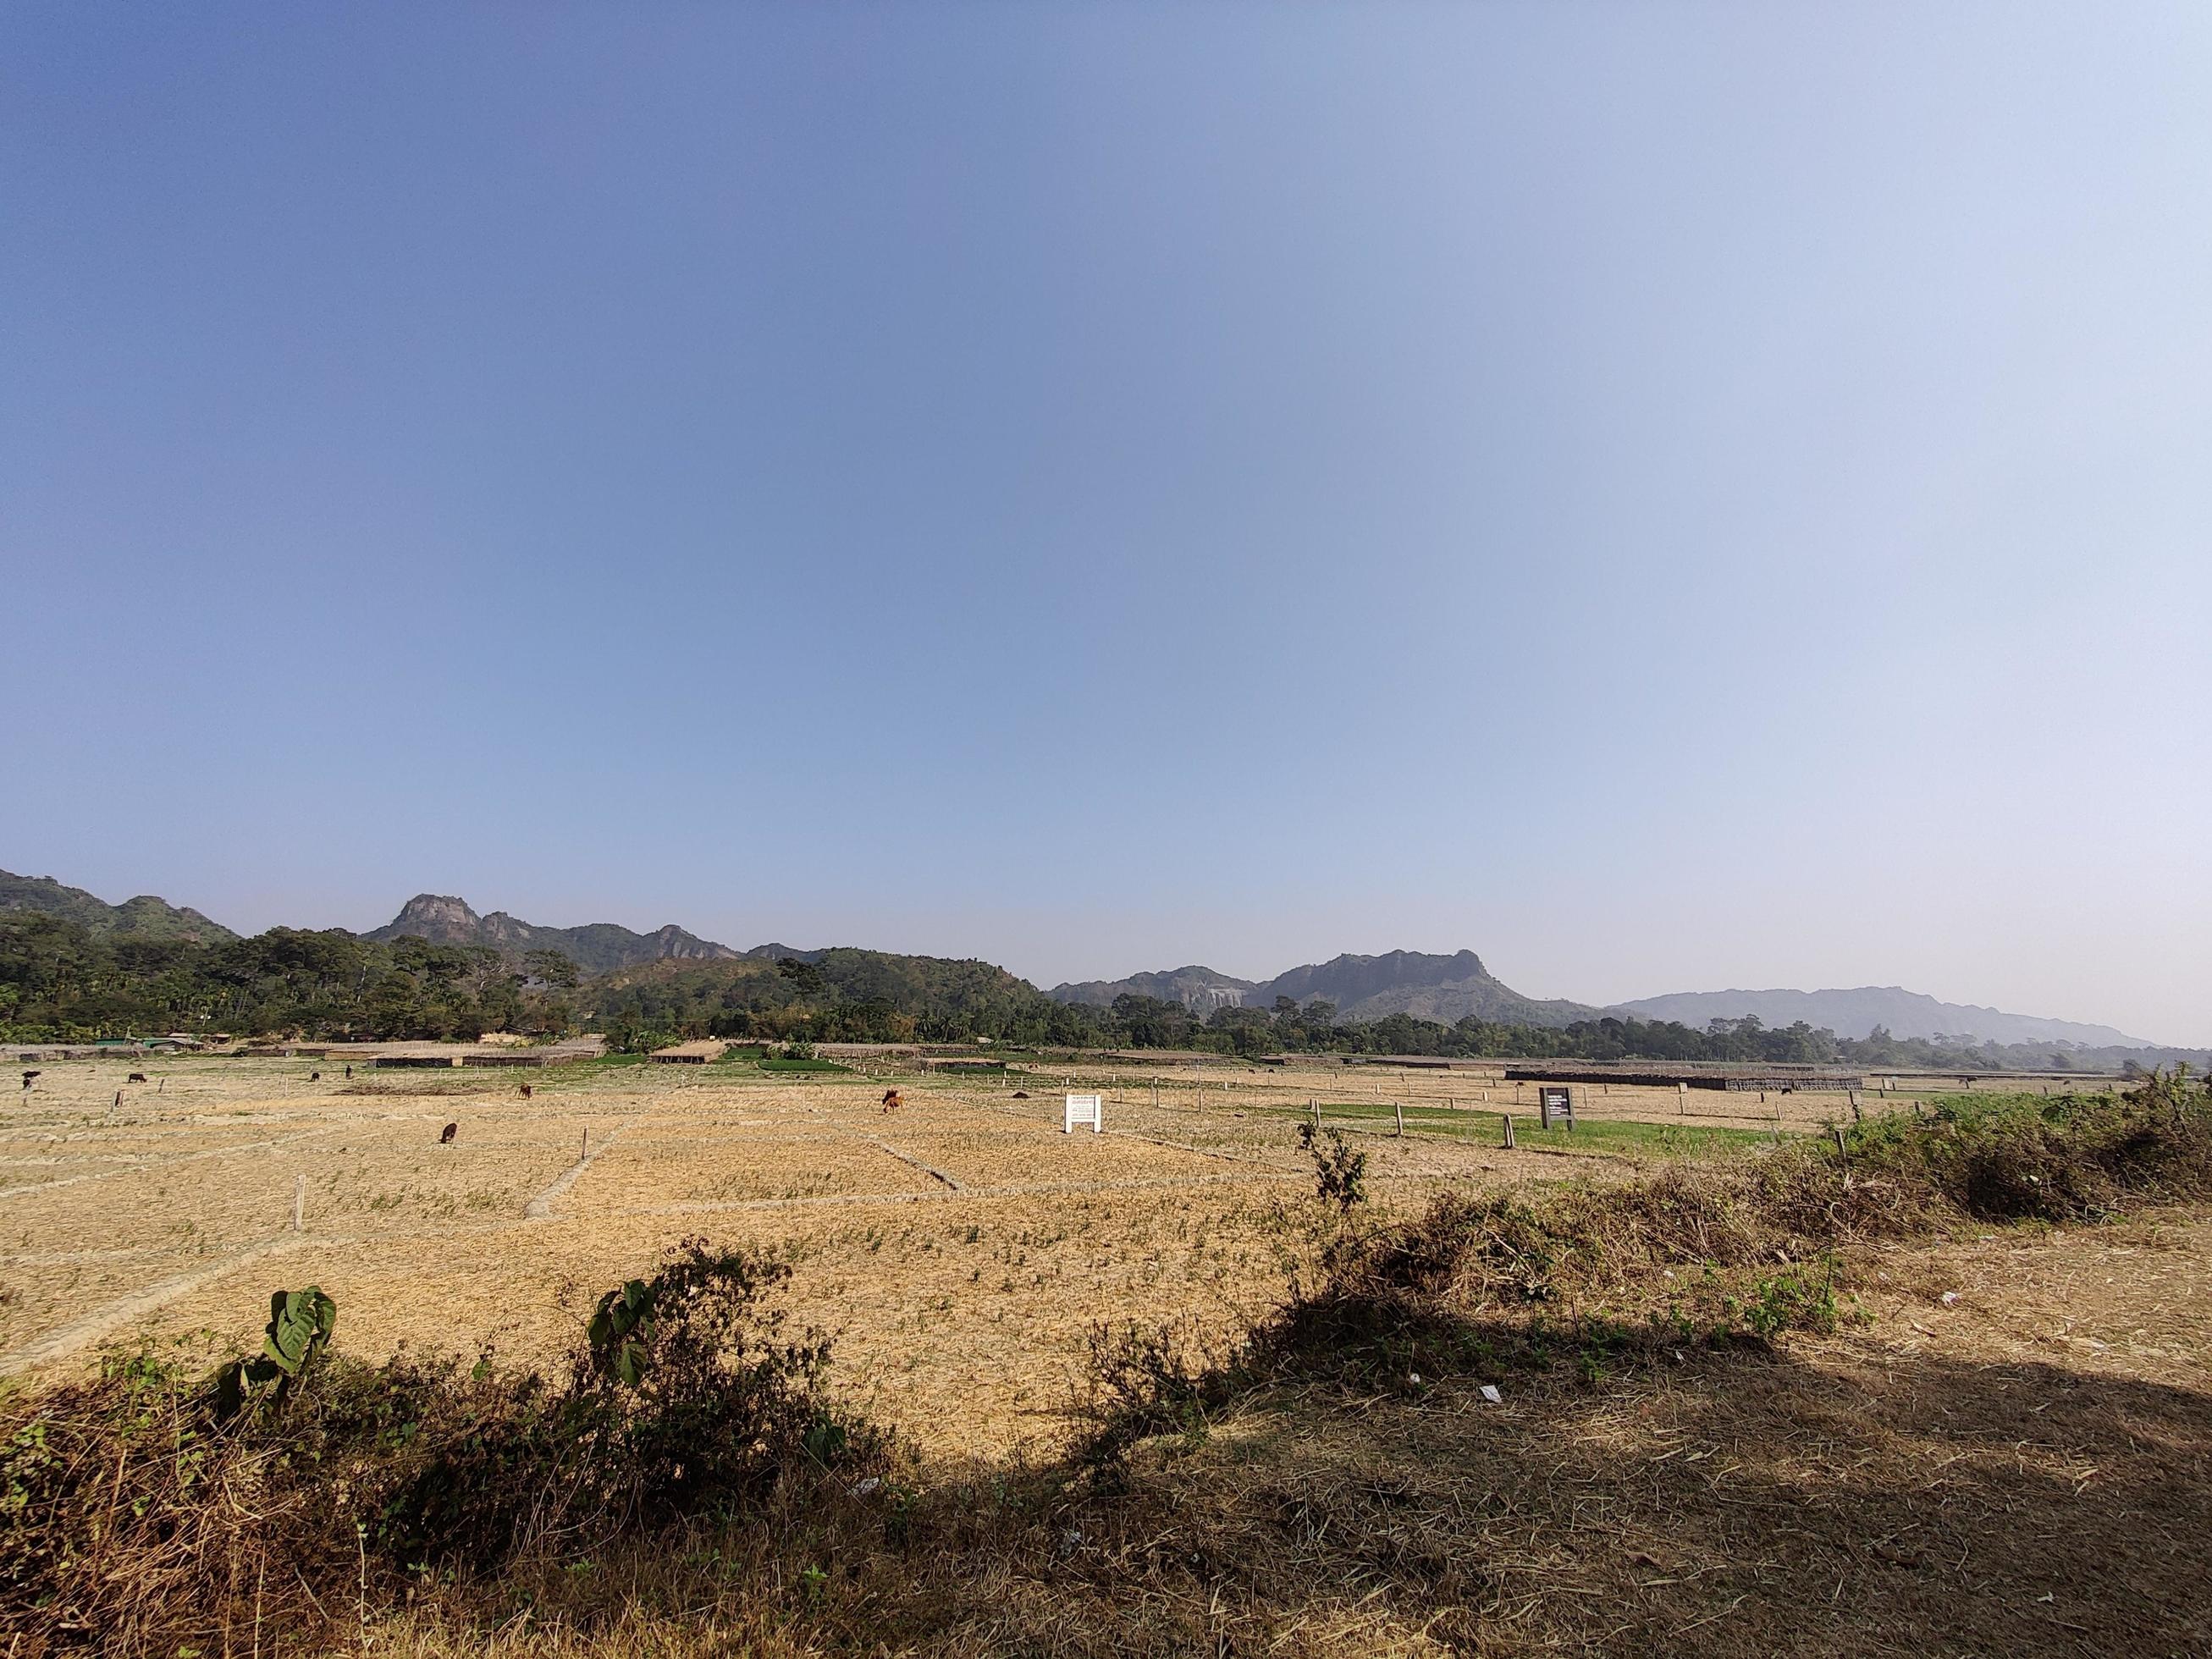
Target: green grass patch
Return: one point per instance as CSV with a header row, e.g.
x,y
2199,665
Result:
x,y
1590,1134
568,1074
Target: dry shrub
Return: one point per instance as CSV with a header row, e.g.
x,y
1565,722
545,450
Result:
x,y
2073,1158
1729,1251
135,1516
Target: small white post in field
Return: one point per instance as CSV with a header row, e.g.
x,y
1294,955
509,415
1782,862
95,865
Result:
x,y
1398,1108
300,1202
1082,1108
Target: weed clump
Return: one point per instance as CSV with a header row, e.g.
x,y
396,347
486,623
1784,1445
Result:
x,y
2075,1157
1737,1251
1340,1173
146,1508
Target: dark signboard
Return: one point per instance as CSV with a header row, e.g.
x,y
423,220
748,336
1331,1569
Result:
x,y
1556,1100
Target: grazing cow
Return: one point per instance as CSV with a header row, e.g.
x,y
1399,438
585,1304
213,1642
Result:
x,y
526,1091
27,1076
315,1077
446,1139
892,1100
135,1077
349,1070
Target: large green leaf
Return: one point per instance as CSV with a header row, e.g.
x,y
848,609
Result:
x,y
299,1323
621,1325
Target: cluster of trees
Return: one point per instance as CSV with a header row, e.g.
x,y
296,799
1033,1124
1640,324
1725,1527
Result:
x,y
1141,1022
835,996
61,981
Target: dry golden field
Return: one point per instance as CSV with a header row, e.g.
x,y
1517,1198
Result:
x,y
957,1251
1945,1470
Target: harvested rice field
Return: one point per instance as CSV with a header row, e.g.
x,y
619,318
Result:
x,y
959,1249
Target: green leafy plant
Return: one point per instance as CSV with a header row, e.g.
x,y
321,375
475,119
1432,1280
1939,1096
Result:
x,y
1792,1300
299,1330
620,1333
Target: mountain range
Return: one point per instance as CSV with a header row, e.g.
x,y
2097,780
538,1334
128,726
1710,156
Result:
x,y
1444,988
1855,1012
1448,989
598,947
144,917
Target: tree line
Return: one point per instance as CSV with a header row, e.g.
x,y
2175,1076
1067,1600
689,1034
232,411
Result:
x,y
61,981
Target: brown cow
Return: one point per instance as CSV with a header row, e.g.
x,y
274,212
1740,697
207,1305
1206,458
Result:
x,y
892,1100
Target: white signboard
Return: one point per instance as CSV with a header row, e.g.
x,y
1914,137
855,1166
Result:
x,y
1082,1109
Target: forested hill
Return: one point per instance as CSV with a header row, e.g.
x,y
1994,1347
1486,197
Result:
x,y
1200,989
144,917
1444,988
596,948
61,981
837,994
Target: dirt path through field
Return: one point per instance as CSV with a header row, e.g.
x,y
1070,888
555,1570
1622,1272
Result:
x,y
540,1205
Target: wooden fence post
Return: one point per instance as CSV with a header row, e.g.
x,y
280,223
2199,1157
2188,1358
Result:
x,y
1507,1118
300,1202
1399,1107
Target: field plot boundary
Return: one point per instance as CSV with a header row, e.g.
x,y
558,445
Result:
x,y
91,1327
540,1208
1016,1112
142,1164
927,1169
1010,1189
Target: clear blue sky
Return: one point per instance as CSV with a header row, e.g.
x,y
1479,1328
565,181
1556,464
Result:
x,y
1668,496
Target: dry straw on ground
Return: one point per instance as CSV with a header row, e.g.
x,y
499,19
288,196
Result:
x,y
1946,1469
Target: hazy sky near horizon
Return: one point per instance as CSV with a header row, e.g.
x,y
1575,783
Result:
x,y
1669,496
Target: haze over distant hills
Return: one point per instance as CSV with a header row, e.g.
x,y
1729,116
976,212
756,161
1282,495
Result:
x,y
1854,1013
144,917
1446,988
1450,988
596,948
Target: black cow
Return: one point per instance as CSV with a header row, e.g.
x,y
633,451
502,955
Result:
x,y
452,1129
